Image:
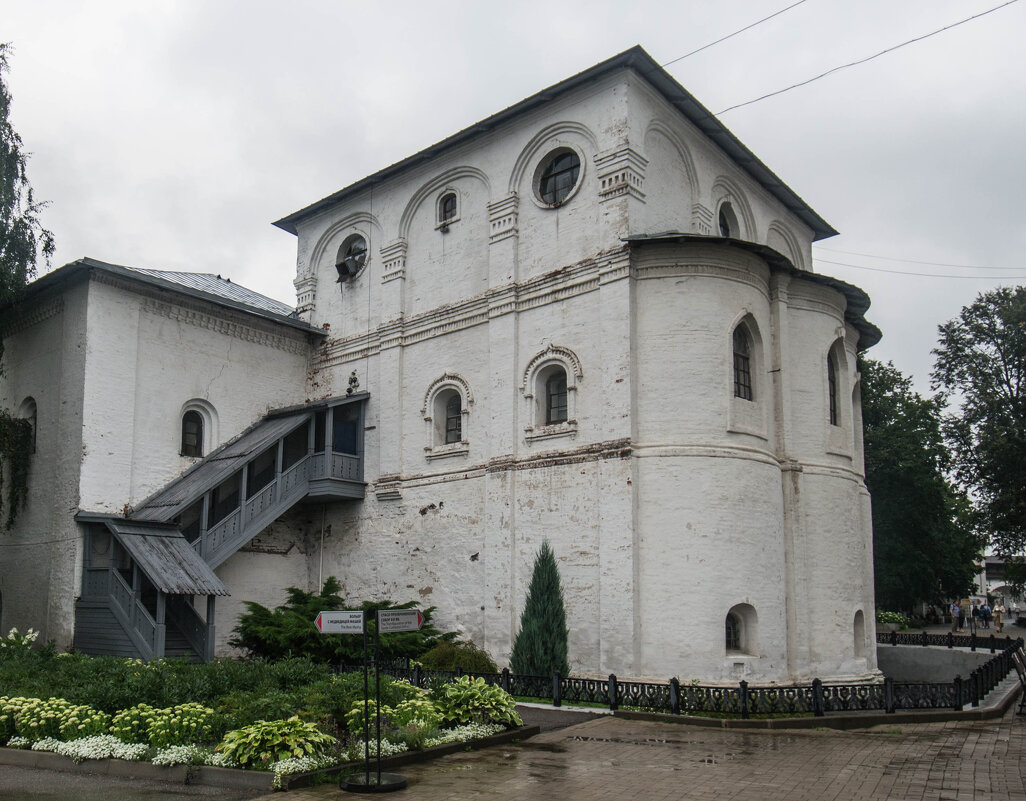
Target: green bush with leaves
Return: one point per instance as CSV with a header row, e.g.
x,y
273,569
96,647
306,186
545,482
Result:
x,y
132,725
458,656
883,616
78,721
10,706
266,742
468,700
289,631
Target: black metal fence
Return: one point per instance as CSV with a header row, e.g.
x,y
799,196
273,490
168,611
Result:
x,y
817,698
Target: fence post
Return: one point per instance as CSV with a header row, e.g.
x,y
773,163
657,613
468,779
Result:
x,y
951,640
674,696
992,643
894,638
613,692
974,688
744,699
958,693
972,640
504,681
818,705
888,695
557,689
417,675
925,642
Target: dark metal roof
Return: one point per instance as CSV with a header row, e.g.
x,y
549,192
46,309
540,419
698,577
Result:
x,y
857,300
169,502
205,286
643,64
168,560
222,287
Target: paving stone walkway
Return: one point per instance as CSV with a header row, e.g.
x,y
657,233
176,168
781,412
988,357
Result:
x,y
621,760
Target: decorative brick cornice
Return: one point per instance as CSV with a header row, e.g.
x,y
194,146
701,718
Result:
x,y
186,313
701,219
20,320
621,173
541,290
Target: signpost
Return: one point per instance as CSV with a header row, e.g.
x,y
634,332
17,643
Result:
x,y
354,622
340,622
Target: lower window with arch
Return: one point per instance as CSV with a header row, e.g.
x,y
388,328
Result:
x,y
446,413
741,631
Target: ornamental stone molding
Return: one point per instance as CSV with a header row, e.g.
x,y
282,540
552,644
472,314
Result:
x,y
393,261
553,353
564,133
621,173
435,185
19,321
502,218
179,312
454,380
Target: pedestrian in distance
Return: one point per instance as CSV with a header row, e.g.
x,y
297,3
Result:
x,y
999,616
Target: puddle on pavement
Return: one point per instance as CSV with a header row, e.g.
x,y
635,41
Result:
x,y
552,748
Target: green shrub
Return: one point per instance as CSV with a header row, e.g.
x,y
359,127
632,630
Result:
x,y
458,655
265,742
83,721
289,631
132,725
467,700
9,709
891,617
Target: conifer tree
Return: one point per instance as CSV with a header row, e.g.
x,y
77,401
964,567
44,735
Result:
x,y
540,647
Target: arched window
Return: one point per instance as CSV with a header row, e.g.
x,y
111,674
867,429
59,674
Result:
x,y
726,220
192,433
743,364
27,411
832,390
447,208
859,630
555,396
453,418
732,632
447,414
741,630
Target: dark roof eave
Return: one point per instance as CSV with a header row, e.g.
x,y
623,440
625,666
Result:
x,y
644,65
858,301
86,265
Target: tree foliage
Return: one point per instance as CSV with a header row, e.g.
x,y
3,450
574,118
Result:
x,y
981,364
924,545
540,647
22,236
289,631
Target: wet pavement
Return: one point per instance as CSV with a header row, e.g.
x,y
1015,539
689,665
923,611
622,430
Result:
x,y
620,759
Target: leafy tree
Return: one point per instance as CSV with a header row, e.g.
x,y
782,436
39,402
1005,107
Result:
x,y
981,363
924,545
22,239
540,647
289,631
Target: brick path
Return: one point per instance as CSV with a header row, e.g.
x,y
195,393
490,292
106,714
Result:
x,y
621,760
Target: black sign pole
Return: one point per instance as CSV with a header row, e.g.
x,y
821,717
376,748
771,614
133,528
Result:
x,y
366,708
377,678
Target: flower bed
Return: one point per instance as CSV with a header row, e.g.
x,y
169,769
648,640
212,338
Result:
x,y
188,734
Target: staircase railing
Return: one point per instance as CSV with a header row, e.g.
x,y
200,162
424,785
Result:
x,y
193,627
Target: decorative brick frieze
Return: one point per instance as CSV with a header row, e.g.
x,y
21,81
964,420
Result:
x,y
702,219
393,260
502,218
180,312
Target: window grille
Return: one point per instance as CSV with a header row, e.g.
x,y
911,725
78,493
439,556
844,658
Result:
x,y
832,389
742,365
555,398
453,419
192,434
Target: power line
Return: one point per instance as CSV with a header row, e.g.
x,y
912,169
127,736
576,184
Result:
x,y
735,33
869,58
915,261
920,275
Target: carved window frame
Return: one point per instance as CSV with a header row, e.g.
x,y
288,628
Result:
x,y
534,390
435,415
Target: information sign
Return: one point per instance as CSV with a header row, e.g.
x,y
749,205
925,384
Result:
x,y
340,622
392,620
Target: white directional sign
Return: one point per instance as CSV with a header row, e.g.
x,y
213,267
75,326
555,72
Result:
x,y
391,620
340,622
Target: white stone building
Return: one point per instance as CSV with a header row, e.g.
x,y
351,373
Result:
x,y
590,318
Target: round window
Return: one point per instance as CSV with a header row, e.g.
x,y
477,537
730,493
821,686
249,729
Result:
x,y
352,257
558,178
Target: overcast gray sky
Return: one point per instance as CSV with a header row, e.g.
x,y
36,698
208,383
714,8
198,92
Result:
x,y
170,134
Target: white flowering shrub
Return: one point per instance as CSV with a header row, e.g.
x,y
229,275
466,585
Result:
x,y
356,751
38,719
162,728
102,746
464,734
294,765
16,642
181,755
10,706
19,742
83,721
219,759
132,725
